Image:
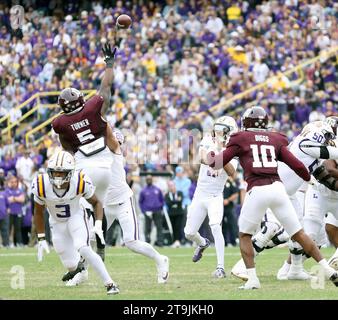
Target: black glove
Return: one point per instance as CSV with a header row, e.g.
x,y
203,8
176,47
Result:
x,y
109,55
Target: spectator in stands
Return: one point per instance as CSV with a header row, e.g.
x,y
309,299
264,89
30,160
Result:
x,y
151,202
16,198
25,168
173,201
4,217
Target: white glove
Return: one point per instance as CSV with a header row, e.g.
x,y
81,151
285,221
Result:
x,y
42,245
98,230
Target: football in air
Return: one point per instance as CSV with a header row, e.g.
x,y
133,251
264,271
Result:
x,y
123,21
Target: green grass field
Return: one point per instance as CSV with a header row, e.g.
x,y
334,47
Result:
x,y
136,276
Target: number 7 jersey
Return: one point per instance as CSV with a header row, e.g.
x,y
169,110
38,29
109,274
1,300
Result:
x,y
62,207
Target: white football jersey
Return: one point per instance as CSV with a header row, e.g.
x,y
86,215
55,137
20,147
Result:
x,y
311,132
211,181
61,208
118,190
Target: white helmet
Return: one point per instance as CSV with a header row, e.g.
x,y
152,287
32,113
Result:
x,y
224,127
118,135
333,123
62,162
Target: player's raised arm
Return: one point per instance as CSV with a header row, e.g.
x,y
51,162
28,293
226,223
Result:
x,y
108,77
288,158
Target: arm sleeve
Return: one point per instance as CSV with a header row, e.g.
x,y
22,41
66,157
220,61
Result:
x,y
220,160
34,191
288,158
89,188
318,151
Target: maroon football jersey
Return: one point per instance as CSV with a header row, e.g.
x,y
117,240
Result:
x,y
82,127
258,153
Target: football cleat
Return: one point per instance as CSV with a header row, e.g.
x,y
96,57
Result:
x,y
239,270
163,270
251,284
219,273
70,274
283,271
298,273
333,262
112,289
78,279
199,251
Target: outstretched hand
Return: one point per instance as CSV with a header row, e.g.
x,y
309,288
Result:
x,y
109,54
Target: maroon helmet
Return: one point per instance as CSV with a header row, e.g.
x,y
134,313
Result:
x,y
255,117
71,99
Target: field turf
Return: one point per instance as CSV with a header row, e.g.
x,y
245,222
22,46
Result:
x,y
136,277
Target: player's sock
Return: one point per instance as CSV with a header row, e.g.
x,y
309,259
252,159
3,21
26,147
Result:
x,y
96,262
145,249
200,241
219,244
251,273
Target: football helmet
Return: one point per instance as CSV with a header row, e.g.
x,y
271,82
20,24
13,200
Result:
x,y
60,168
224,127
333,122
255,118
70,100
118,135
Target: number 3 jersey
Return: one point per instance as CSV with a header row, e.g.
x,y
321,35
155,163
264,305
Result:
x,y
210,181
62,207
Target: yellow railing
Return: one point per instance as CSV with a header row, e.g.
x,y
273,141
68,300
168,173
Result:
x,y
224,104
42,125
36,96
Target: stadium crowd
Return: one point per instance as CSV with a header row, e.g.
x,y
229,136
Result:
x,y
178,59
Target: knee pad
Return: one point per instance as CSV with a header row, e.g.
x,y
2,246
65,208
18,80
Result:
x,y
280,237
295,248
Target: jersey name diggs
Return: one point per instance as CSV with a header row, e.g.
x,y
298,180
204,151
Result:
x,y
81,124
261,138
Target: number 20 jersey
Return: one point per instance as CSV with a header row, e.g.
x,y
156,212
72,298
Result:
x,y
62,208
